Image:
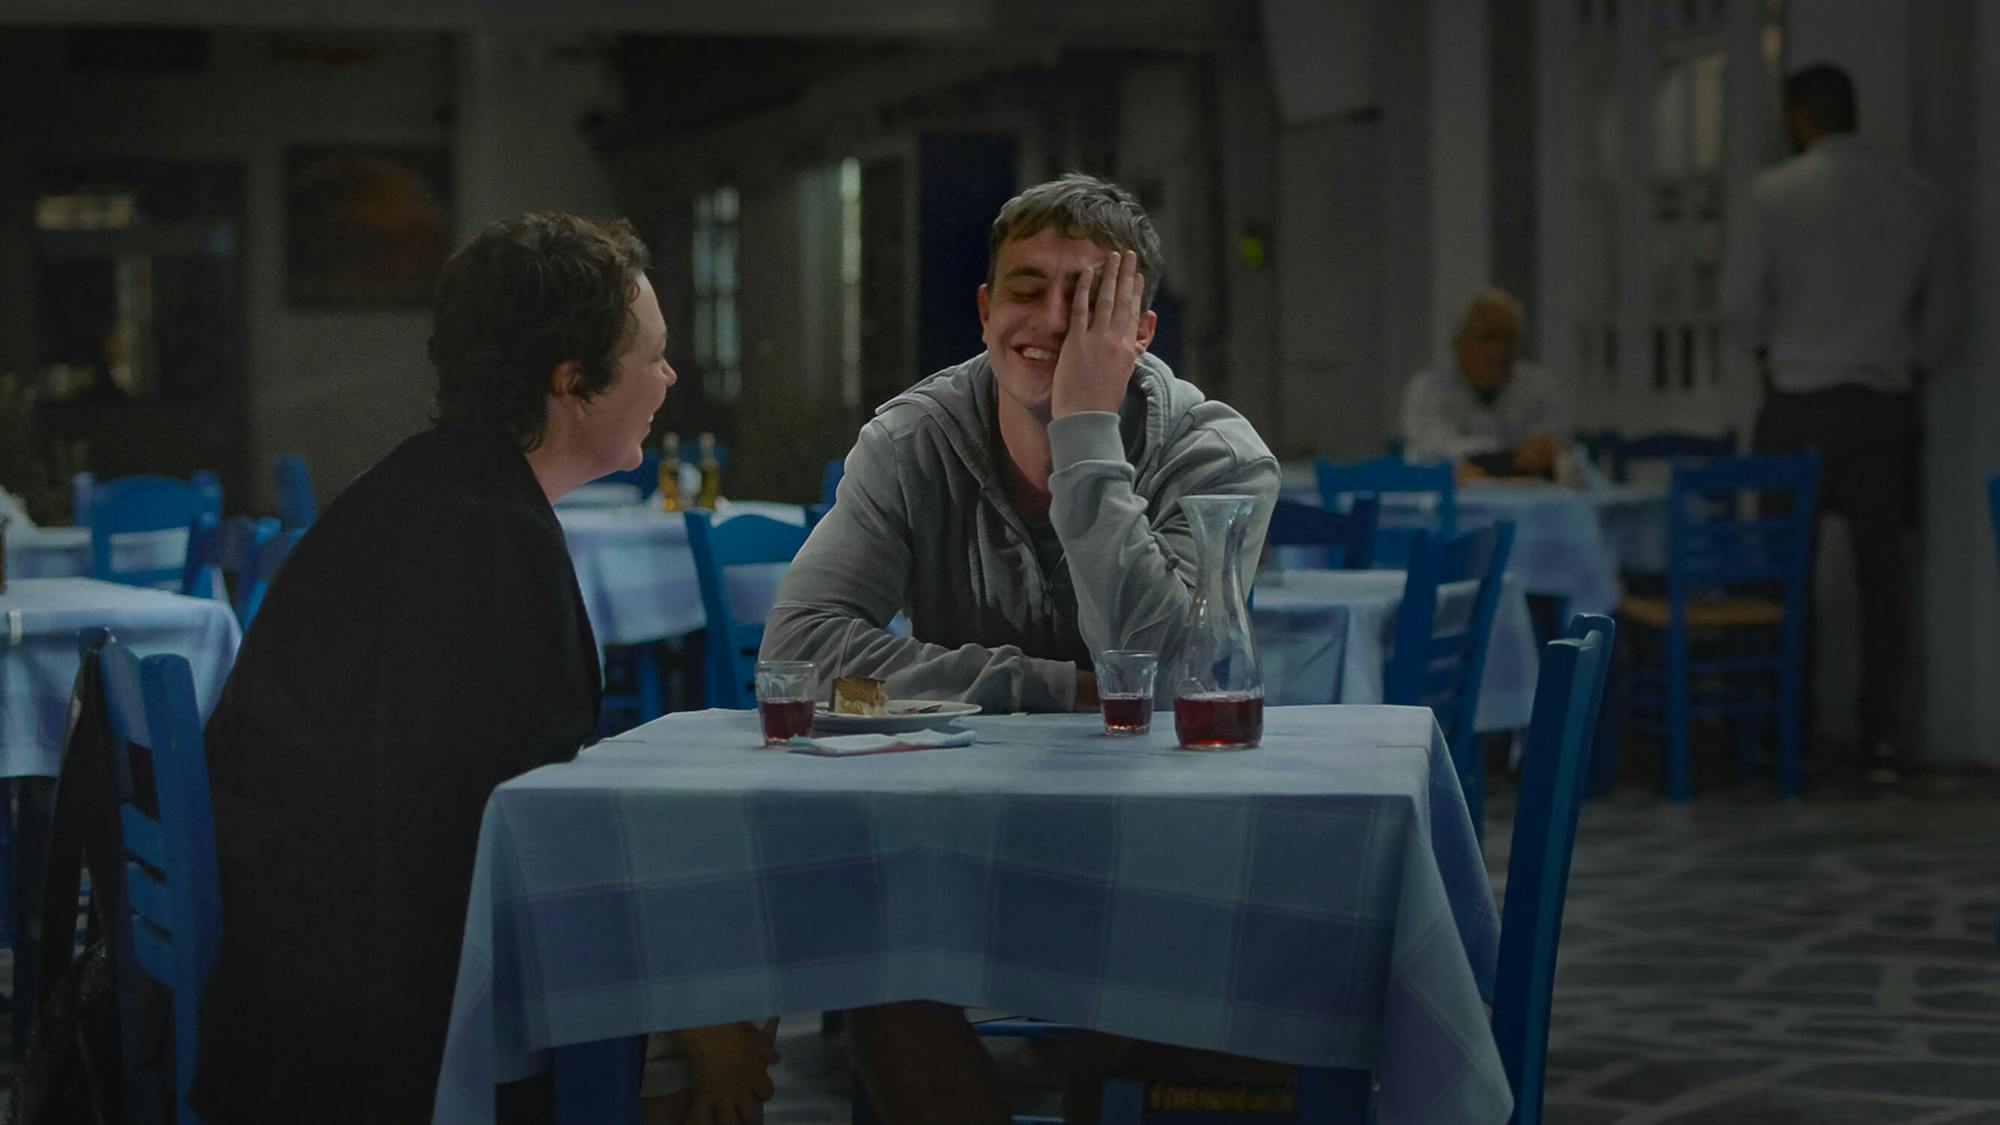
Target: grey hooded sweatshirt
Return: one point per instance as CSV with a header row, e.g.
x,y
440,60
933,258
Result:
x,y
922,524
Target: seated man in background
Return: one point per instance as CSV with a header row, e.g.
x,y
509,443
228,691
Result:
x,y
1485,408
1022,508
424,643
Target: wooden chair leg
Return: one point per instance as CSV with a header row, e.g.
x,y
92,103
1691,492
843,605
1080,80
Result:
x,y
1680,781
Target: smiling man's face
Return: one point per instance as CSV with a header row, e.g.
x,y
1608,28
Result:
x,y
1024,313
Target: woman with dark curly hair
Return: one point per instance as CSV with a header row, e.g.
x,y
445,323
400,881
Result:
x,y
423,643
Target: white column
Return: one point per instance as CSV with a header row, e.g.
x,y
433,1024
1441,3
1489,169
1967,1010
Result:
x,y
1461,217
1553,309
1960,608
1638,69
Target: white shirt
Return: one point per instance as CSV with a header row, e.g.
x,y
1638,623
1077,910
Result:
x,y
1443,418
1836,268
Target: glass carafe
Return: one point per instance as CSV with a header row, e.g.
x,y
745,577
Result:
x,y
1219,683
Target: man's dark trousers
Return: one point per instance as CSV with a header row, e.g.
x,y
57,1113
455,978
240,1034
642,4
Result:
x,y
1867,444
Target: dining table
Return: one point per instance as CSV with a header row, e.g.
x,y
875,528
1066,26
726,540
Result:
x,y
636,571
1318,900
64,551
1324,636
39,622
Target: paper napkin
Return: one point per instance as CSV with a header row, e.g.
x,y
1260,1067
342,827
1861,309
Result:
x,y
850,745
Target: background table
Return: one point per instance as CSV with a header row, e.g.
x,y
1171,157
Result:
x,y
39,619
64,552
1561,548
1319,900
637,573
1325,636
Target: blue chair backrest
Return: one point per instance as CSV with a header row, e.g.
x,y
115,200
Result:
x,y
225,550
1349,537
296,503
82,486
829,480
171,886
1667,447
1553,768
1443,668
1378,475
731,666
146,503
1713,546
646,477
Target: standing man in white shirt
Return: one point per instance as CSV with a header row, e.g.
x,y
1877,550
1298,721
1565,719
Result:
x,y
1835,277
1484,407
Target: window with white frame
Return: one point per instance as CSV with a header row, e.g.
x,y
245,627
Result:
x,y
718,350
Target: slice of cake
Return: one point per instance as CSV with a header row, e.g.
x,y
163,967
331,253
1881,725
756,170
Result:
x,y
859,695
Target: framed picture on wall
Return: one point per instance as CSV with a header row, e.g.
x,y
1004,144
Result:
x,y
365,225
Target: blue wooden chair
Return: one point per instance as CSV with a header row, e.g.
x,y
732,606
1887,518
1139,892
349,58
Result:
x,y
146,503
1348,538
1378,475
829,480
1442,668
228,552
170,931
646,478
1667,446
296,505
1553,765
730,662
1728,576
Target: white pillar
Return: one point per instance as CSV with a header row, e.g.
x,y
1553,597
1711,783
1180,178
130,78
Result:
x,y
1552,310
1461,215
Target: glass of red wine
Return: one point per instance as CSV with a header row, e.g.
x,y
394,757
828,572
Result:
x,y
1125,690
785,699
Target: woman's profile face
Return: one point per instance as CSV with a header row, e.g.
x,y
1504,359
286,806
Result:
x,y
617,420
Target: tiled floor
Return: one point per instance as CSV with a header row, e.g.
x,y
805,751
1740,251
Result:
x,y
1736,960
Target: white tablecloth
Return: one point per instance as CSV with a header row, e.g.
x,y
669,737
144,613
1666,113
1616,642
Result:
x,y
38,658
637,573
1325,635
64,552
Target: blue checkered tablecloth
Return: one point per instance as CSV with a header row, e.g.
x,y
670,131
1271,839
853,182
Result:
x,y
39,620
1319,900
1325,636
637,575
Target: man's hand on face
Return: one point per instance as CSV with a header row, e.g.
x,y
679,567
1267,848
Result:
x,y
1102,344
1536,456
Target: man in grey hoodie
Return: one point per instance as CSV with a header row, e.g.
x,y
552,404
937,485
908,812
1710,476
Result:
x,y
1023,509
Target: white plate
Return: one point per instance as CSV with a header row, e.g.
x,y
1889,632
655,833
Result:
x,y
905,715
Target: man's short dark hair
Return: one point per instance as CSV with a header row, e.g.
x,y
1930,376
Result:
x,y
527,295
1826,93
1080,206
